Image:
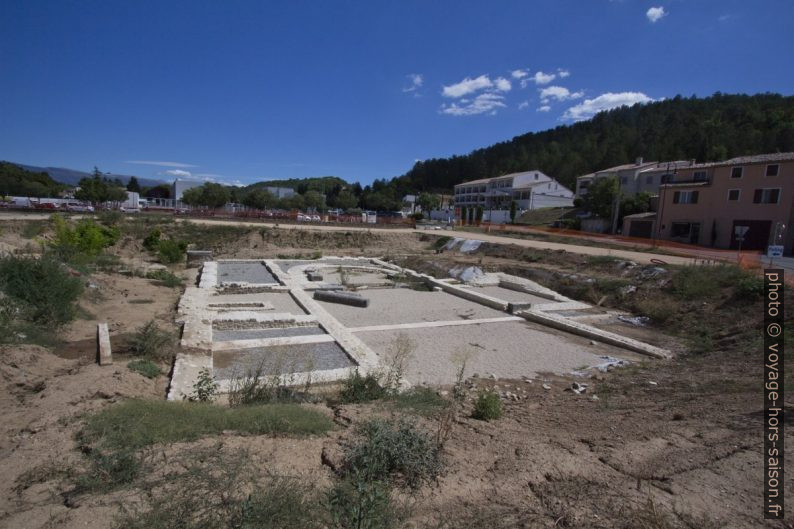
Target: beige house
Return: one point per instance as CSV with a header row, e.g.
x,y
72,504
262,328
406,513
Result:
x,y
710,203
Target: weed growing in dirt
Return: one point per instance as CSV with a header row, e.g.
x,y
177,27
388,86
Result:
x,y
150,341
357,388
108,470
152,240
135,424
82,242
396,453
205,389
42,291
453,406
170,251
424,401
146,368
165,278
487,407
362,505
33,229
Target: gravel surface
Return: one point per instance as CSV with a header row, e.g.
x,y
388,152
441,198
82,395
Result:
x,y
282,301
280,360
239,272
403,305
255,334
513,296
508,350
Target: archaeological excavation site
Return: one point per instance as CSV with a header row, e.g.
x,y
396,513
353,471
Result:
x,y
318,321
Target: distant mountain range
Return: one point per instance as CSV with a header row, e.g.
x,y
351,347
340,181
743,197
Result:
x,y
72,177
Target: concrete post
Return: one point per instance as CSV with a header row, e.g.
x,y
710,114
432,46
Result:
x,y
103,344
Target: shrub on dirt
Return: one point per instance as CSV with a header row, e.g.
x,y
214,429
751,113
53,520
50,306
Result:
x,y
205,389
421,400
152,240
396,453
136,424
658,307
108,470
362,505
357,388
749,288
82,242
165,278
150,341
487,407
703,282
42,290
170,251
146,368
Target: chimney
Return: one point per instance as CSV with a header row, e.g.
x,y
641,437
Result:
x,y
638,161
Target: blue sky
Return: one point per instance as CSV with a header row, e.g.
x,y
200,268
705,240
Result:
x,y
240,91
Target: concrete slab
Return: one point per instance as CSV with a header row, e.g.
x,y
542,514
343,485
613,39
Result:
x,y
281,359
250,272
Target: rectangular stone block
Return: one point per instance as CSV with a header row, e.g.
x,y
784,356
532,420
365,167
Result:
x,y
103,344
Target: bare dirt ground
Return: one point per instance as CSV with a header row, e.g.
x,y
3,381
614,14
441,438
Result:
x,y
667,444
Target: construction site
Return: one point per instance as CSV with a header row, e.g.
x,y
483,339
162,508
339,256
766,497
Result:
x,y
570,386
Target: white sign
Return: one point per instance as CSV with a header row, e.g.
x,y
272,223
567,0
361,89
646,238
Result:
x,y
739,231
774,250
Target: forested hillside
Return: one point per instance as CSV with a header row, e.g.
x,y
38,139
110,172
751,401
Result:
x,y
706,129
15,181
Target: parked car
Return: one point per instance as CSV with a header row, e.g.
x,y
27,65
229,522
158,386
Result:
x,y
78,207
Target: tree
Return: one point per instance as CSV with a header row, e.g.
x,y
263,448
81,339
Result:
x,y
428,201
463,214
97,189
471,215
513,212
346,199
133,185
210,194
314,200
259,199
600,197
160,191
478,216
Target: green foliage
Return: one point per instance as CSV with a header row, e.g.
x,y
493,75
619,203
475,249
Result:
x,y
357,388
33,229
209,194
109,470
600,197
749,288
170,251
356,504
205,389
111,217
19,182
150,341
257,387
135,424
146,368
487,407
678,128
428,201
165,278
395,453
704,282
421,400
283,504
259,199
42,290
152,240
478,215
133,185
441,242
513,211
81,242
98,188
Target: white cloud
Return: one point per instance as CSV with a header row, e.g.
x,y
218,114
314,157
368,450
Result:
x,y
416,80
487,102
161,164
723,18
655,14
502,84
589,107
518,74
523,105
467,86
543,78
179,173
544,108
563,73
558,93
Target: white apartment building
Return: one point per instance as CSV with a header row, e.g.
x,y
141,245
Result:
x,y
529,190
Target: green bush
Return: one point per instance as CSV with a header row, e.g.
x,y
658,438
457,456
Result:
x,y
487,407
135,424
170,251
205,388
357,388
83,241
152,241
702,282
749,288
424,401
43,291
397,453
150,341
109,470
361,505
165,278
659,308
146,368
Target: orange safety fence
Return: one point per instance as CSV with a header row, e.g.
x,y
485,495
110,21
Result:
x,y
750,259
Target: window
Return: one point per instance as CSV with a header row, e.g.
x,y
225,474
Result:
x,y
536,176
584,185
772,170
685,197
736,172
680,229
699,176
766,196
733,194
649,179
549,185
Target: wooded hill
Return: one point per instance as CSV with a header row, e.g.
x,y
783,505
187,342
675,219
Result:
x,y
16,181
707,129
